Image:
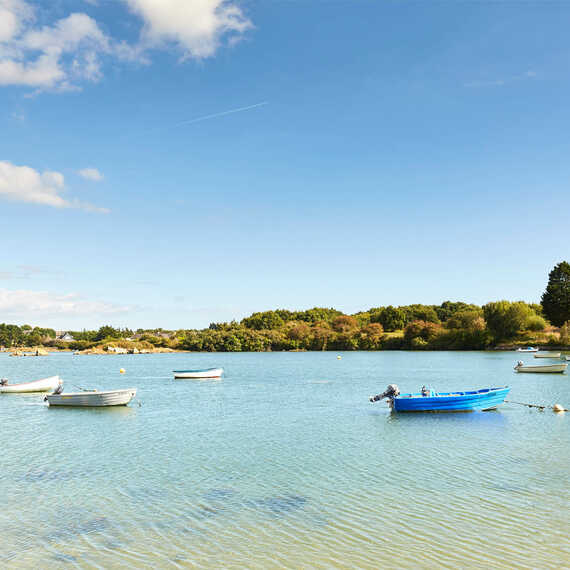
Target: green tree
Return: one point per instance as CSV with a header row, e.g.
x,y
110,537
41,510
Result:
x,y
371,336
418,312
268,320
449,308
389,317
107,331
322,335
556,299
344,324
535,323
467,319
505,319
421,329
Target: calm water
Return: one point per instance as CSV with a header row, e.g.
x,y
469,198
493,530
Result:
x,y
283,464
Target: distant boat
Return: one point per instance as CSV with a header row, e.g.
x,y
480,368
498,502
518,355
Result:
x,y
547,355
522,367
204,373
527,349
430,401
92,398
43,385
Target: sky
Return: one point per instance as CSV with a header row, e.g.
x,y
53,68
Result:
x,y
176,163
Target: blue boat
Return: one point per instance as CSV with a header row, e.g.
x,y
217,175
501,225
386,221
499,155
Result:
x,y
430,401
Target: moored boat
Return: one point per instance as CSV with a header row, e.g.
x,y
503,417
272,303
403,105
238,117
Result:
x,y
547,355
527,349
203,373
430,401
92,398
42,385
553,368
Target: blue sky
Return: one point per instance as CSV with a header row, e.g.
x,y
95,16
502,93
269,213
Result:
x,y
393,152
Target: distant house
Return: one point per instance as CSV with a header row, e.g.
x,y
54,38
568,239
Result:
x,y
63,336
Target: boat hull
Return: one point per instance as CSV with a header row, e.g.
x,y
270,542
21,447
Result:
x,y
477,400
527,349
548,355
93,399
43,385
208,373
546,368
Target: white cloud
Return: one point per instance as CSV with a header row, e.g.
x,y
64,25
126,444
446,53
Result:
x,y
197,27
42,303
91,174
52,57
62,55
502,81
24,184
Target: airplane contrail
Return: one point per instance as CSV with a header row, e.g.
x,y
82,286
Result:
x,y
221,114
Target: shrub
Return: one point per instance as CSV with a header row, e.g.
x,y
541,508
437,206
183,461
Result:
x,y
565,333
535,323
418,343
425,330
344,324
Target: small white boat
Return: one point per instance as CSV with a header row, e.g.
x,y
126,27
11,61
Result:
x,y
527,349
92,398
547,355
560,368
42,385
204,373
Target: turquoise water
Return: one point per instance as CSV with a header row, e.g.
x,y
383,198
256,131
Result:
x,y
283,464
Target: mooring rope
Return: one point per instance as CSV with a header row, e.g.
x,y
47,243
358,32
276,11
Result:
x,y
556,407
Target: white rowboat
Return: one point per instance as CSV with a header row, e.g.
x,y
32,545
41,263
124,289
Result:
x,y
93,398
547,355
43,385
205,373
560,368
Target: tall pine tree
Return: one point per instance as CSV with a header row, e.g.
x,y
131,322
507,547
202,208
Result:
x,y
556,298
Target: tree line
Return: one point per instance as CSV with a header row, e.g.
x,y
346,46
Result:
x,y
452,325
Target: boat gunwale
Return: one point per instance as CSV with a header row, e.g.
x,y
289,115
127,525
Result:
x,y
95,392
197,370
455,395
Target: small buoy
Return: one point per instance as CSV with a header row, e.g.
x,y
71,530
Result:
x,y
122,370
557,408
339,356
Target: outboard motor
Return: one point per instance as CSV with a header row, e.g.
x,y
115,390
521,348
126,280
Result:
x,y
391,392
58,390
3,381
519,364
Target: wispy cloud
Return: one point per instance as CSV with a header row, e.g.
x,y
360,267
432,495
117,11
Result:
x,y
26,272
37,304
500,82
91,174
25,184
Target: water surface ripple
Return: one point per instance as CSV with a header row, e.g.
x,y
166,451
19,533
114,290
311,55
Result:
x,y
283,464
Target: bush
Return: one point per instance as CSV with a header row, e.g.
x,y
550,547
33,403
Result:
x,y
565,333
418,343
422,329
535,323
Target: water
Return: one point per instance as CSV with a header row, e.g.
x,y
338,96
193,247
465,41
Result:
x,y
283,464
